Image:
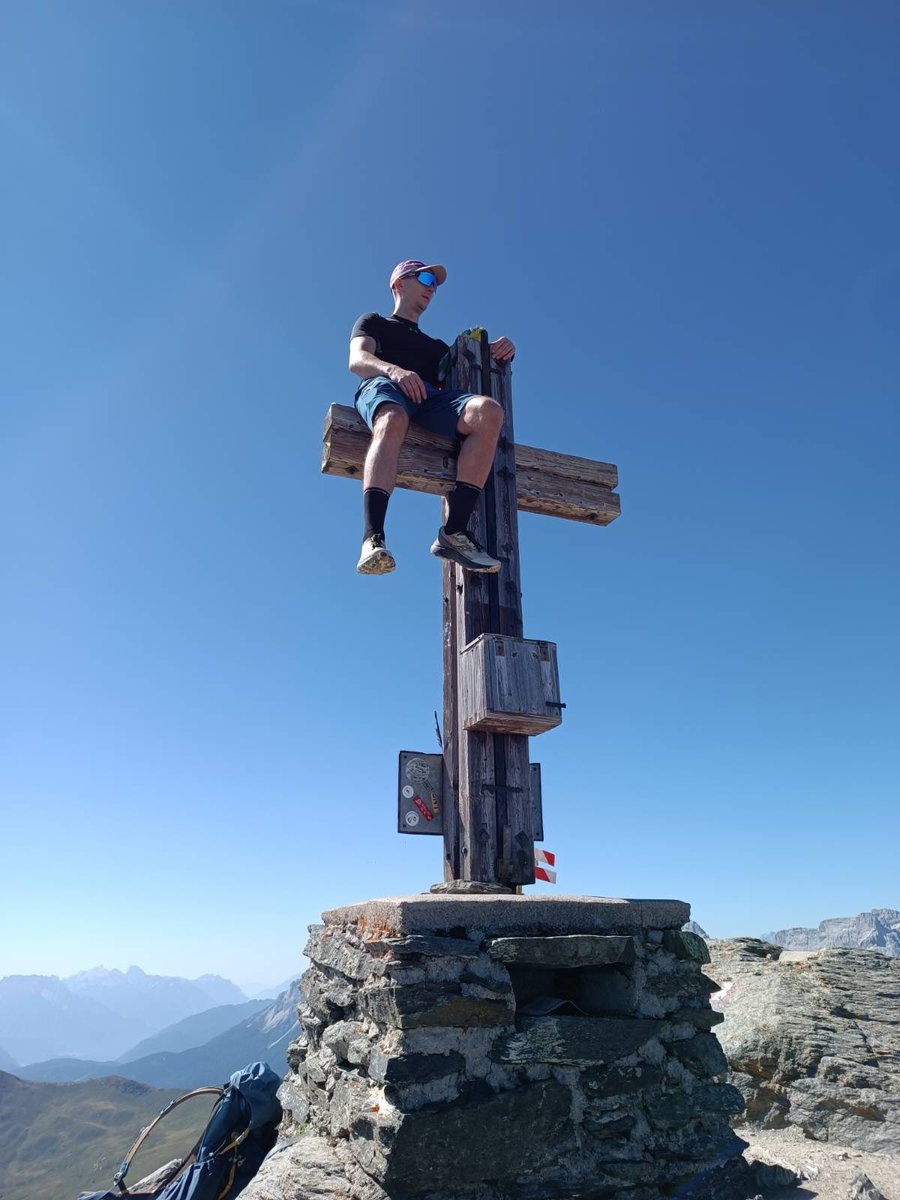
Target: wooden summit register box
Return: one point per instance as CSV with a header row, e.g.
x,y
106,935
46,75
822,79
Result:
x,y
509,685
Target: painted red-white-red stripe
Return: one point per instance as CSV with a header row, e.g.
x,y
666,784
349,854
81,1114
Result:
x,y
543,861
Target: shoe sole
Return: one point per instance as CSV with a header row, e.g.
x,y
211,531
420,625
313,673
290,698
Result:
x,y
440,551
380,563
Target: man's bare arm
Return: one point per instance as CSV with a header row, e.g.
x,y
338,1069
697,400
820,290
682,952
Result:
x,y
365,364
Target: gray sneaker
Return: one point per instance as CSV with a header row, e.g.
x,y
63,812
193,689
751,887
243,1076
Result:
x,y
463,549
375,558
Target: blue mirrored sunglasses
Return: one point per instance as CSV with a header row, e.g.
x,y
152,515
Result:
x,y
428,278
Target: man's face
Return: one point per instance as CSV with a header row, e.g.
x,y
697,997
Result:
x,y
415,293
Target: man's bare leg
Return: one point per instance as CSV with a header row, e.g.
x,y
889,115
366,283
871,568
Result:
x,y
379,476
480,426
390,426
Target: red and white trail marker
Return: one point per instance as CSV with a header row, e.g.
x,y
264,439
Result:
x,y
543,861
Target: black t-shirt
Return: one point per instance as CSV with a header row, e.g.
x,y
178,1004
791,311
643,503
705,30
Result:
x,y
402,343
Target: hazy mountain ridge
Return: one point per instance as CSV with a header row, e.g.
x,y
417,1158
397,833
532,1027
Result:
x,y
262,1036
7,1062
195,1030
154,998
693,927
878,929
40,1017
98,1014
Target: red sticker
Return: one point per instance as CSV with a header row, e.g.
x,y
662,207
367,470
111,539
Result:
x,y
423,808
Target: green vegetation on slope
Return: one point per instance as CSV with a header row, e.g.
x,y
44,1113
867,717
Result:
x,y
59,1139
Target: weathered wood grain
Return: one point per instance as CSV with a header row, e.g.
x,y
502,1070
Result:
x,y
477,794
450,735
555,485
508,685
515,832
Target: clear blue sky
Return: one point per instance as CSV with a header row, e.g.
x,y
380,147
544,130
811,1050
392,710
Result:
x,y
685,215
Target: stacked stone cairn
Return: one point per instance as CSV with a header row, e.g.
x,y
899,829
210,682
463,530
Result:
x,y
484,1047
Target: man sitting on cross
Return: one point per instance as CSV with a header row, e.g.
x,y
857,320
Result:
x,y
398,365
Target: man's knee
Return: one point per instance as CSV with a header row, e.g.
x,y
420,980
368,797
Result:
x,y
484,413
391,422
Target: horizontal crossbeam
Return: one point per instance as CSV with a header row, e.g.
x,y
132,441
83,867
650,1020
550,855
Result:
x,y
557,485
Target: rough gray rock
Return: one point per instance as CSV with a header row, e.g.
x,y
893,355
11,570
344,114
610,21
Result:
x,y
813,1040
571,950
773,1175
455,1142
156,1180
508,915
574,1040
305,1168
685,944
878,929
553,1052
863,1188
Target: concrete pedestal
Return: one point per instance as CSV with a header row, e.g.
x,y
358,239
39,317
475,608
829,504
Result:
x,y
484,1047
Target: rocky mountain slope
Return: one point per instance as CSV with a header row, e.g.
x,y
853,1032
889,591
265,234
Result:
x,y
875,930
812,1039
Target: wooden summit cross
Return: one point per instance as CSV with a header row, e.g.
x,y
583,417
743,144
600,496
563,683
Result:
x,y
499,688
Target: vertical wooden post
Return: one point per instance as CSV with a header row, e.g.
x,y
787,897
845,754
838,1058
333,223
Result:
x,y
450,811
512,772
488,834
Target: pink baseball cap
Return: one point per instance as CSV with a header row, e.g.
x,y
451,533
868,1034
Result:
x,y
409,267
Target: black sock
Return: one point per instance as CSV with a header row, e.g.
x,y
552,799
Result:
x,y
460,506
375,502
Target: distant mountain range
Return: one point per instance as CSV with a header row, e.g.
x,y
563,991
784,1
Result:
x,y
40,1016
262,1035
99,1014
156,1000
878,929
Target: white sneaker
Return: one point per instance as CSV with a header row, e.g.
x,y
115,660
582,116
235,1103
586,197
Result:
x,y
375,558
463,549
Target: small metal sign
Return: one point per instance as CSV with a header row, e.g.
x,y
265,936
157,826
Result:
x,y
420,794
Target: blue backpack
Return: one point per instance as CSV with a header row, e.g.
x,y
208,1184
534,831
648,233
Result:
x,y
239,1134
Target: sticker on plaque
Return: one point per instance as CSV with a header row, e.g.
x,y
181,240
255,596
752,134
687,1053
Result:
x,y
423,808
412,819
418,773
408,792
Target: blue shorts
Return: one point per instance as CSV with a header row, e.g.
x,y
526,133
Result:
x,y
439,411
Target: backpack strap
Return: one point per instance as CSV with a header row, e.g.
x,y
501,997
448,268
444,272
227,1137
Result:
x,y
119,1179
